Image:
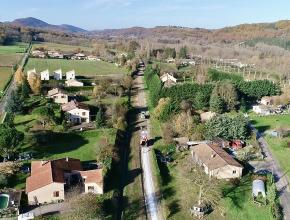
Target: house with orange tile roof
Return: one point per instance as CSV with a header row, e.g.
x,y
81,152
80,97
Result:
x,y
216,162
51,180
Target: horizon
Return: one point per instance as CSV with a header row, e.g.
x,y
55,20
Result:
x,y
97,14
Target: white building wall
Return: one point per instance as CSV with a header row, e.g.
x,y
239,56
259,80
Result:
x,y
46,194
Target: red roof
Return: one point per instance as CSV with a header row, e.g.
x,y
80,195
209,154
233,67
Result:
x,y
46,172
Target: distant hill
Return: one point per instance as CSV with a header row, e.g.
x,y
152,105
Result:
x,y
39,24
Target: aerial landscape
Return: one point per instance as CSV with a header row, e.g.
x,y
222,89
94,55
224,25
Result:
x,y
127,109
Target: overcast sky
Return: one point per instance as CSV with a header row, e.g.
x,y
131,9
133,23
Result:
x,y
100,14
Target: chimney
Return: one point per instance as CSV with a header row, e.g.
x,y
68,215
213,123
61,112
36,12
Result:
x,y
213,155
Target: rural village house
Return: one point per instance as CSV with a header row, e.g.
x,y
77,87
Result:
x,y
216,162
44,75
77,112
51,180
70,75
57,74
266,100
73,83
168,79
58,96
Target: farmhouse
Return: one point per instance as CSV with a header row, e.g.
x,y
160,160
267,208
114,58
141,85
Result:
x,y
262,109
55,54
44,75
168,79
92,58
79,56
216,162
38,53
170,60
73,83
77,112
51,180
70,75
57,74
58,96
266,100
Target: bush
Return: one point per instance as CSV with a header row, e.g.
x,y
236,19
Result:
x,y
3,180
153,84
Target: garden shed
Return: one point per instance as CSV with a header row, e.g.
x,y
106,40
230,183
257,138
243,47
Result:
x,y
258,188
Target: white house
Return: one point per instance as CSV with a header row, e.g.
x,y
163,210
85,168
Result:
x,y
170,60
73,83
30,72
44,75
58,96
70,75
262,109
77,112
168,79
57,74
92,58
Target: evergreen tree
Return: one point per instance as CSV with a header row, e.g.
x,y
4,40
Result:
x,y
25,89
99,119
216,104
183,52
14,103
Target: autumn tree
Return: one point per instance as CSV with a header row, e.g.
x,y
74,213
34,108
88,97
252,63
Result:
x,y
183,123
98,91
19,76
34,83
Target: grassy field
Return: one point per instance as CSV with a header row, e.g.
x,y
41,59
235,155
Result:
x,y
278,146
5,74
62,47
15,48
11,54
82,67
167,67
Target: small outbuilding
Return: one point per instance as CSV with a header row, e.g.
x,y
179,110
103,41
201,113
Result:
x,y
258,188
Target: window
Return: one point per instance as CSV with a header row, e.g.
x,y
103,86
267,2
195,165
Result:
x,y
91,188
234,171
62,97
56,194
84,113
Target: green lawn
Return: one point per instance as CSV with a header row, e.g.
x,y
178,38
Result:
x,y
239,204
62,47
278,146
5,74
82,67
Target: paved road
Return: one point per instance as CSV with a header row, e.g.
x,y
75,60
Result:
x,y
152,205
12,85
282,181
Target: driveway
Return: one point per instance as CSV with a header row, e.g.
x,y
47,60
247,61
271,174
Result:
x,y
281,179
